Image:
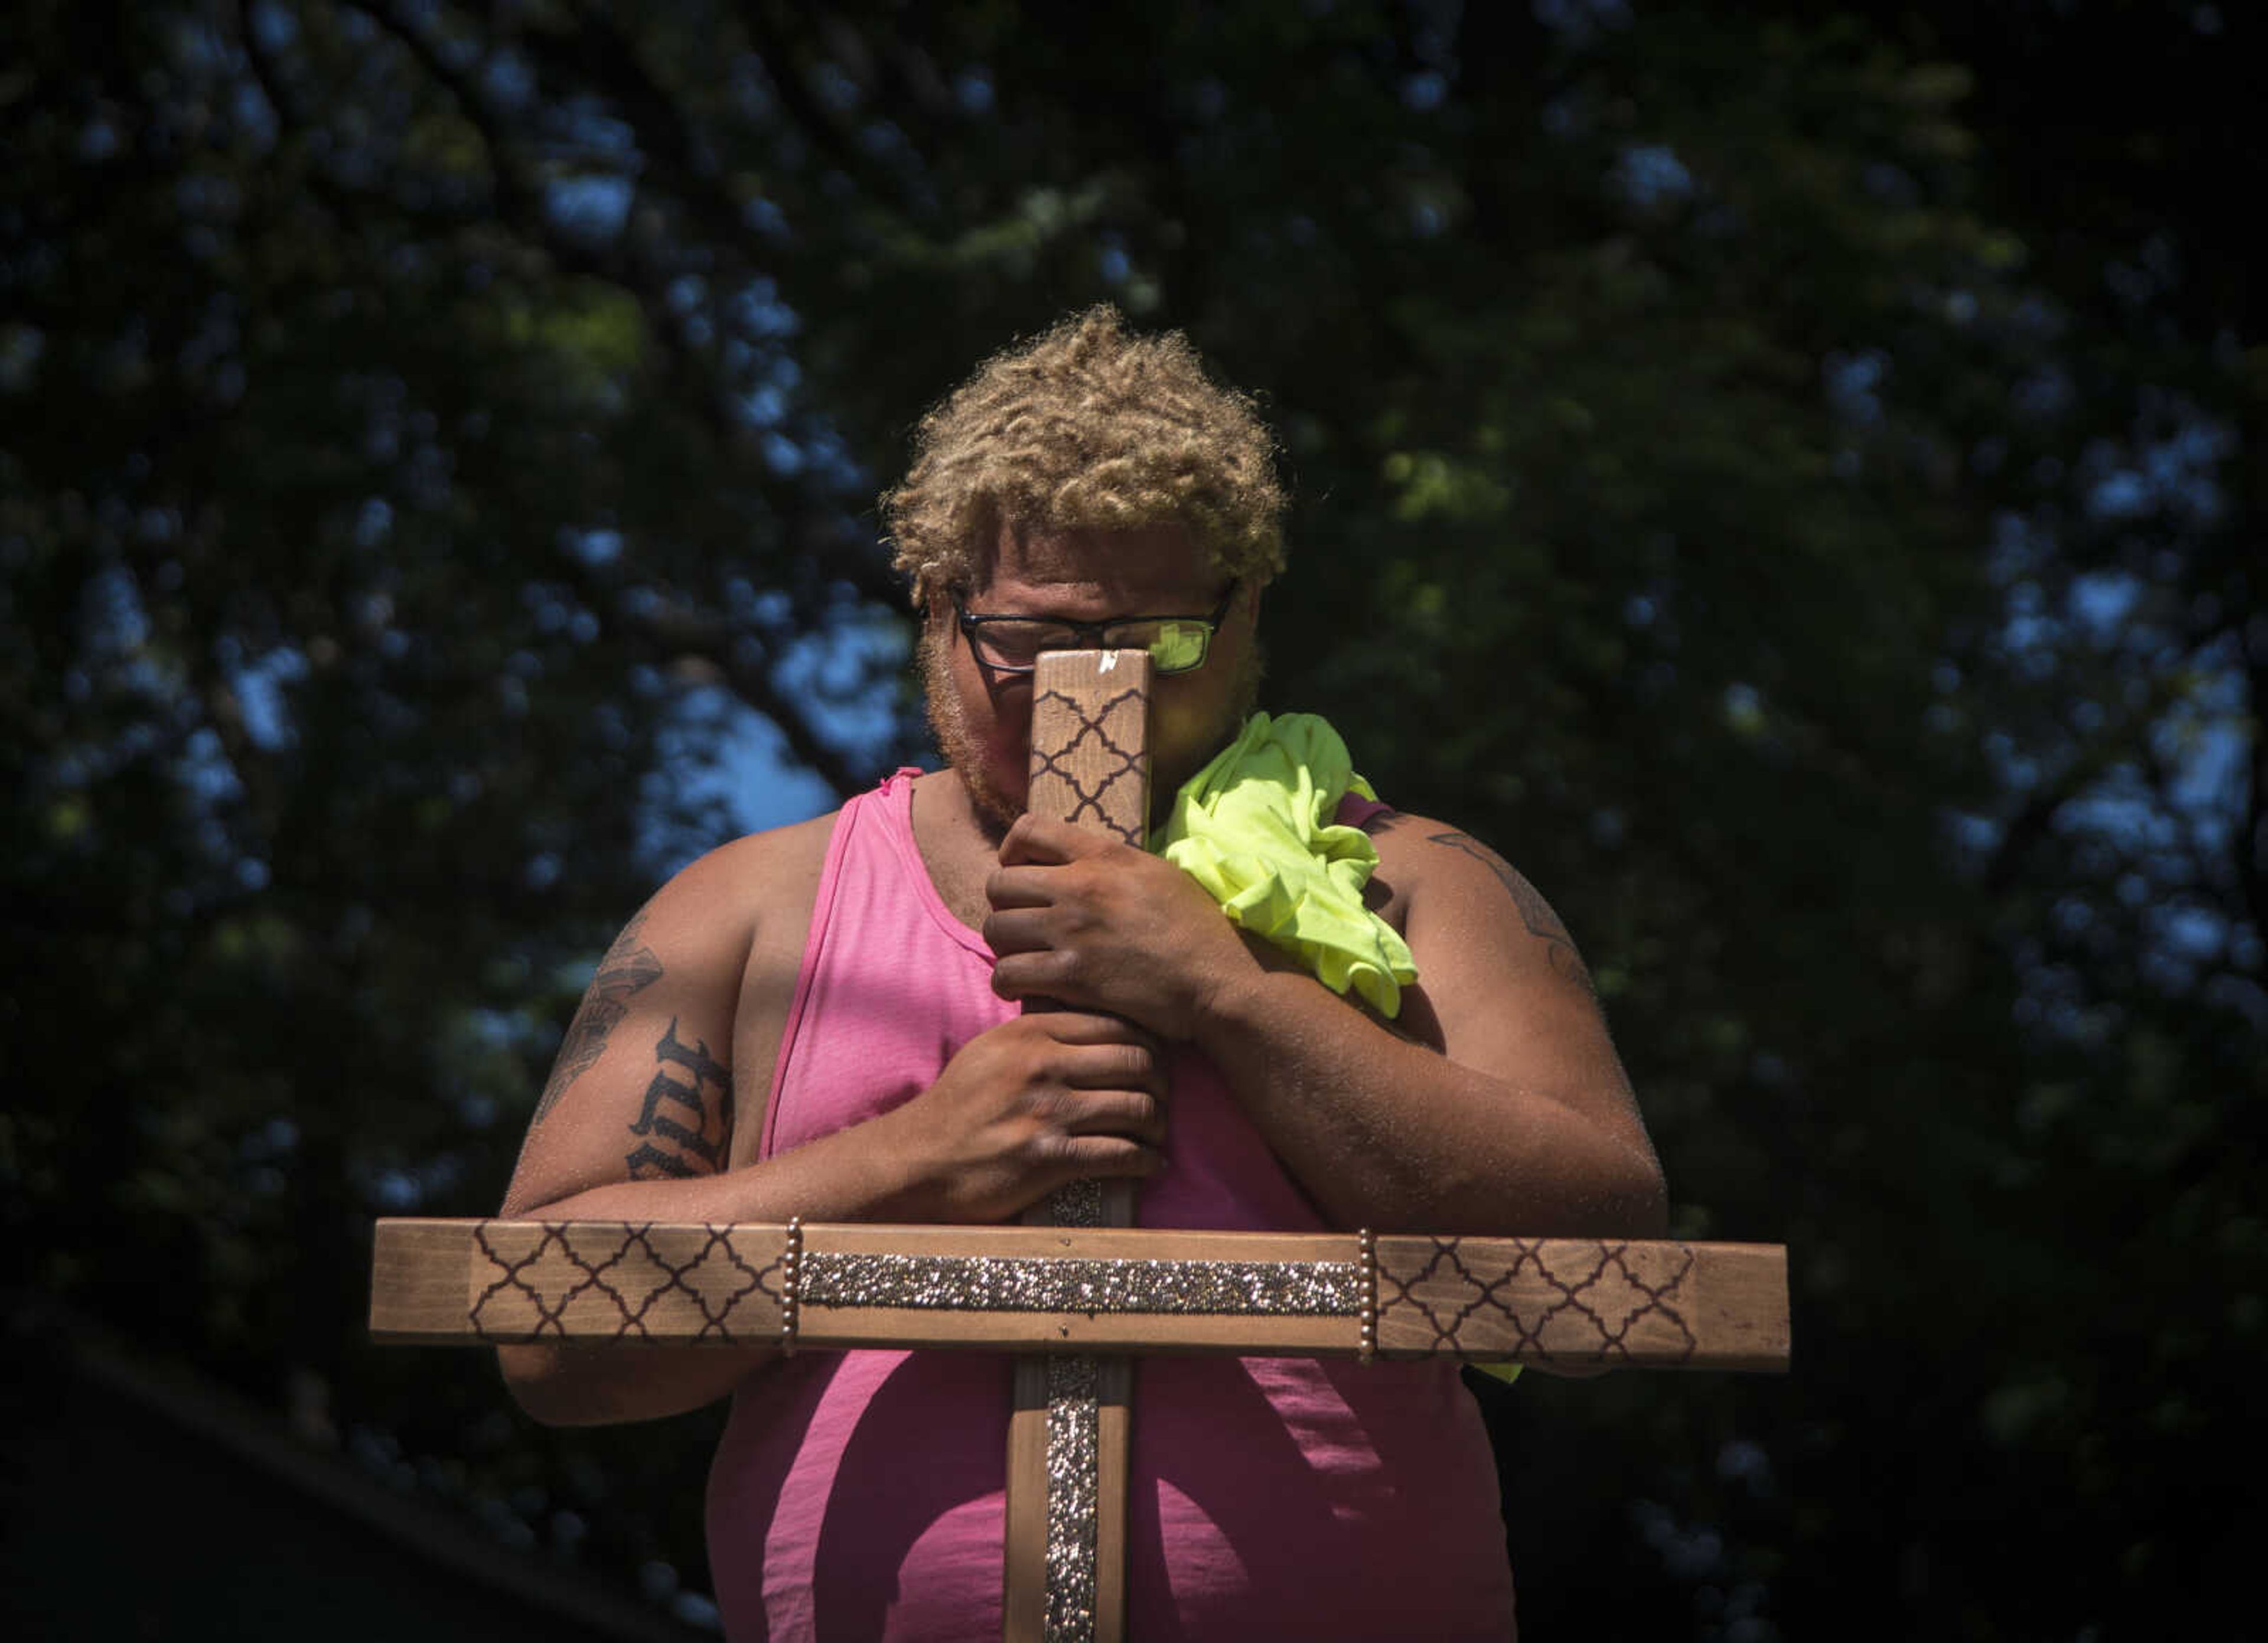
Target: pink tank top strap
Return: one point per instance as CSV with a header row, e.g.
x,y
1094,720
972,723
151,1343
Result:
x,y
1356,811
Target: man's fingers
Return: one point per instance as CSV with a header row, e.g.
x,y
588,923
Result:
x,y
1020,931
1092,1027
1043,974
1132,1113
1080,1156
1035,840
1019,887
1112,1066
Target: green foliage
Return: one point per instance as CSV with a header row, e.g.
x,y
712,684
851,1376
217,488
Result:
x,y
1780,478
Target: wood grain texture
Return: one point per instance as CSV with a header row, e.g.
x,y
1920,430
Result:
x,y
1090,742
1584,1301
585,1281
1567,1302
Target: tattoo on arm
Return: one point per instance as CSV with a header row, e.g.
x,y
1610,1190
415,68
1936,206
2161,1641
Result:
x,y
629,966
682,1131
1535,912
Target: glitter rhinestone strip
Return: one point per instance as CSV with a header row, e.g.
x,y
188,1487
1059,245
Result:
x,y
1071,1283
1078,1203
1074,1506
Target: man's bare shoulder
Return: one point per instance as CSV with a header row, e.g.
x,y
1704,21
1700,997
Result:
x,y
715,909
745,874
1438,866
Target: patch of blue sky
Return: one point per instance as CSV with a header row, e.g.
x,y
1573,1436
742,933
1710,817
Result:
x,y
111,616
767,605
274,28
686,293
2120,810
826,453
1853,381
598,546
593,206
203,769
555,609
507,78
757,310
1649,175
373,522
885,140
259,687
782,455
2014,546
2100,602
1973,837
1425,91
2181,472
2209,763
398,1189
2041,395
846,673
722,770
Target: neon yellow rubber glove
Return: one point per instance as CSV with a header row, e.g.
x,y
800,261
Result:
x,y
1255,828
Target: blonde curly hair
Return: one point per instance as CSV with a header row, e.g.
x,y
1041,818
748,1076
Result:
x,y
1089,427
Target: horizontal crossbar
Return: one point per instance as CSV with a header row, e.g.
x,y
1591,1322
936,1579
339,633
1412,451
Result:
x,y
1566,1302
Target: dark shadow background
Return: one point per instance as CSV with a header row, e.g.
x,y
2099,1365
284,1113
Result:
x,y
1784,478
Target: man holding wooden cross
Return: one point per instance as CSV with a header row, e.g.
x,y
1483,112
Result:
x,y
826,1021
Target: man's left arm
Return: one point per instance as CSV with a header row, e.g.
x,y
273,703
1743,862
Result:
x,y
1495,1105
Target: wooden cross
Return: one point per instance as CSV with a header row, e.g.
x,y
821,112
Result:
x,y
1078,1288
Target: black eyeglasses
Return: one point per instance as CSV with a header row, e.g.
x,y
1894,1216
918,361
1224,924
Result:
x,y
1012,644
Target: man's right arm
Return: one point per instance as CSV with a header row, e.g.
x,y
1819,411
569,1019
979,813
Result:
x,y
639,1119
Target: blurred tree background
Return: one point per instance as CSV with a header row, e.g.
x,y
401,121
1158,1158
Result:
x,y
1795,463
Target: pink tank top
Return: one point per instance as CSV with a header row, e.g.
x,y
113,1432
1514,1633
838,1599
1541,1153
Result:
x,y
858,1495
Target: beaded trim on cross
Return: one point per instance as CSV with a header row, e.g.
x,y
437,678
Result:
x,y
1369,1348
792,1286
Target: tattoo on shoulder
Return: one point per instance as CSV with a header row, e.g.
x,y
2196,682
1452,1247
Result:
x,y
1535,912
629,968
687,1122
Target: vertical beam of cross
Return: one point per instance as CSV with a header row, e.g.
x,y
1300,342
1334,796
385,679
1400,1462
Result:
x,y
1065,1578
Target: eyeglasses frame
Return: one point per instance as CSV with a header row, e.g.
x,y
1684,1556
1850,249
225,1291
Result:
x,y
1085,631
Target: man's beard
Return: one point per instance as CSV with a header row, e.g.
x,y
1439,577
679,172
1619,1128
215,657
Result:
x,y
948,722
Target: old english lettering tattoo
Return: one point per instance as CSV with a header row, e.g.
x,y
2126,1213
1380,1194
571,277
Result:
x,y
1535,912
687,1117
629,966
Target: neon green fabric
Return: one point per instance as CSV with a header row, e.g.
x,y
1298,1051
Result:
x,y
1255,828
